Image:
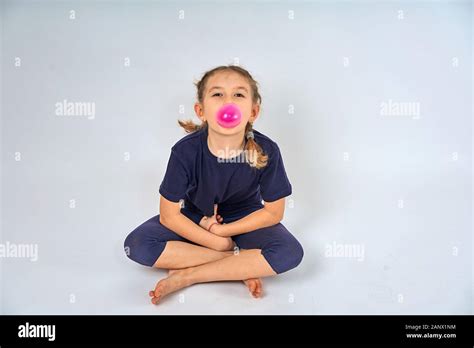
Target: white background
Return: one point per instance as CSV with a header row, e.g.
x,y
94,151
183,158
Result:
x,y
391,184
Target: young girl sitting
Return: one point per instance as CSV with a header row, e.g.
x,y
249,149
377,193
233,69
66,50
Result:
x,y
222,196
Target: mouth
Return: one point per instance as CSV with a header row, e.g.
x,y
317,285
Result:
x,y
229,116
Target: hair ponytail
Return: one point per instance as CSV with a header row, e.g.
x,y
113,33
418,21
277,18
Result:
x,y
254,155
191,127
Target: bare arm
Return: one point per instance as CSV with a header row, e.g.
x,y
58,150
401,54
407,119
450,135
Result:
x,y
271,214
172,218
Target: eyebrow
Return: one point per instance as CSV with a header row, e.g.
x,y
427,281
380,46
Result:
x,y
218,87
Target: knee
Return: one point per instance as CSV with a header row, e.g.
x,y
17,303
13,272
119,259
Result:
x,y
284,255
141,248
293,253
132,242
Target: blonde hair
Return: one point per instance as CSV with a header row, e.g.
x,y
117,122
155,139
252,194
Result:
x,y
254,154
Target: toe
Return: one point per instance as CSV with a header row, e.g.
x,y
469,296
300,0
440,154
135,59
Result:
x,y
258,289
156,299
252,287
255,292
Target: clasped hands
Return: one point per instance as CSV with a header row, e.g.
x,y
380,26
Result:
x,y
213,224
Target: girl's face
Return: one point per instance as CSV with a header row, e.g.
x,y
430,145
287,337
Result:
x,y
222,88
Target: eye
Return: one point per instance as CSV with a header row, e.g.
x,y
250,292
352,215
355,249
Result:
x,y
243,96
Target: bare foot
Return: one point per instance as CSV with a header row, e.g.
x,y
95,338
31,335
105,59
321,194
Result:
x,y
255,286
168,285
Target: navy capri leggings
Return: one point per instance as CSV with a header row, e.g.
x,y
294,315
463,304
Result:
x,y
280,248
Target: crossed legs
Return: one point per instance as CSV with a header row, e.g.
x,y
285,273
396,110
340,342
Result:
x,y
268,251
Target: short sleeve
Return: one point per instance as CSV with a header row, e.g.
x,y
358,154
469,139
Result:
x,y
274,183
176,180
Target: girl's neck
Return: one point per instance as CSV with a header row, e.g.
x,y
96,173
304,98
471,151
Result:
x,y
225,146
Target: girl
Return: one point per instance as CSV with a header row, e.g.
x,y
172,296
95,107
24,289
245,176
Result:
x,y
222,198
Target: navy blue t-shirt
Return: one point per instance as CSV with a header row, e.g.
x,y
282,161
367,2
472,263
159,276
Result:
x,y
194,174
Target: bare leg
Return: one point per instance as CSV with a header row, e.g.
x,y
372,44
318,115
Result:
x,y
179,255
245,265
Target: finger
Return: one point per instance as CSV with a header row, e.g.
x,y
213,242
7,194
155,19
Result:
x,y
215,209
151,293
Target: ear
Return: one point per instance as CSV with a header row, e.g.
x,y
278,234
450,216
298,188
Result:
x,y
198,109
255,113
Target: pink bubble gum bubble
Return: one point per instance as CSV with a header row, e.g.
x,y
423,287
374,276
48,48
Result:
x,y
229,115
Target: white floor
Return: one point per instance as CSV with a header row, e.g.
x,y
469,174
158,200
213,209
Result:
x,y
408,267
